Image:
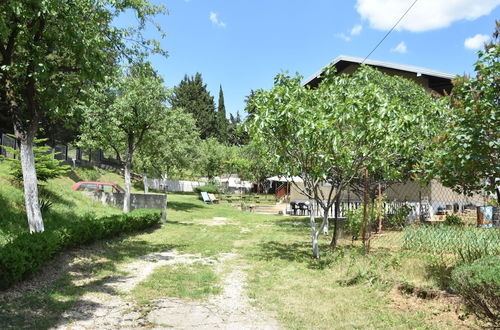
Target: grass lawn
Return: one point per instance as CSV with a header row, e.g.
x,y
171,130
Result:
x,y
344,289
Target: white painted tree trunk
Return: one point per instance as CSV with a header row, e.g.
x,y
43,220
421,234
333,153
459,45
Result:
x,y
126,199
145,183
35,220
327,223
164,212
314,233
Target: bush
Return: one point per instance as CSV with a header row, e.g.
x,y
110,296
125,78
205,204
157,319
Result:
x,y
25,254
353,223
209,188
453,220
399,219
479,285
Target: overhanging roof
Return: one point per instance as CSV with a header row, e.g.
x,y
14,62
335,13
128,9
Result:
x,y
342,62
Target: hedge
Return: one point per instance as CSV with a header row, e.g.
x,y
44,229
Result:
x,y
478,284
27,253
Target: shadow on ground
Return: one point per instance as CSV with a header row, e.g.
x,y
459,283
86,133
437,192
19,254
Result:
x,y
40,302
184,206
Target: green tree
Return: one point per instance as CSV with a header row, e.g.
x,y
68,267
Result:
x,y
468,154
121,116
331,133
222,124
47,166
192,95
213,158
171,146
49,51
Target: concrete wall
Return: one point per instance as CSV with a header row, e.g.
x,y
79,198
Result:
x,y
137,201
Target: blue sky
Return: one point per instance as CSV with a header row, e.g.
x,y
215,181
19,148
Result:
x,y
242,45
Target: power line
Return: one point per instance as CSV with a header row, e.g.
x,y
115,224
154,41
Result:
x,y
389,32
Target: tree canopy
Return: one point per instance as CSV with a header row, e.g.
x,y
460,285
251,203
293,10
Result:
x,y
192,95
349,123
49,51
468,152
122,115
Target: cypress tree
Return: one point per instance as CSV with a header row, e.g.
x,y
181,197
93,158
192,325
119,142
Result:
x,y
222,124
192,95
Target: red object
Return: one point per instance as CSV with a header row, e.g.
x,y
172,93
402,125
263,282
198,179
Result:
x,y
97,186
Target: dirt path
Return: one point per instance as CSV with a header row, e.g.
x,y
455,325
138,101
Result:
x,y
108,306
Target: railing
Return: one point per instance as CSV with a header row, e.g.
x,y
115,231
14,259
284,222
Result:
x,y
66,153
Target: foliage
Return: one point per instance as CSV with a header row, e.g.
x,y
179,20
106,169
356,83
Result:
x,y
171,146
209,188
45,205
468,152
192,95
49,52
222,122
47,167
399,219
213,158
479,286
26,253
466,244
237,136
121,115
348,123
353,222
453,220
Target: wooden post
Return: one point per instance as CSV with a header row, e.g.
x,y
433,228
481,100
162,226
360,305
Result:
x,y
379,229
365,202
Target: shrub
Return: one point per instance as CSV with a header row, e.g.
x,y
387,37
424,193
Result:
x,y
47,167
399,219
453,220
26,253
479,286
209,188
353,223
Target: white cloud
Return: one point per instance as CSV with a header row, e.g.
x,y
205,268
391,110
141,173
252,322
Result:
x,y
400,48
344,36
356,29
425,15
215,20
476,42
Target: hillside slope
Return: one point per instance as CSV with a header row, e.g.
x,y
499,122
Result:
x,y
66,204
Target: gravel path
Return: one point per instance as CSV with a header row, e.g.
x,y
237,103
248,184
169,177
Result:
x,y
108,306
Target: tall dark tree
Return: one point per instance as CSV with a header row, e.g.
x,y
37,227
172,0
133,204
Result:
x,y
192,95
222,124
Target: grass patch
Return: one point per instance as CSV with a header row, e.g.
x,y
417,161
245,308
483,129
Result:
x,y
195,281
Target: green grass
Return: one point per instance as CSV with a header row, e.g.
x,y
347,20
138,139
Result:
x,y
346,288
67,205
195,281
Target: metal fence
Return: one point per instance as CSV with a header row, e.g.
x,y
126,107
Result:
x,y
68,154
430,203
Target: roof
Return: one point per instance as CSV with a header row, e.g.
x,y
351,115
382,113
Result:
x,y
342,61
285,179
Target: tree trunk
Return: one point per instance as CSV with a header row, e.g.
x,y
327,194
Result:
x,y
128,167
314,233
164,211
327,223
35,220
145,183
337,230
